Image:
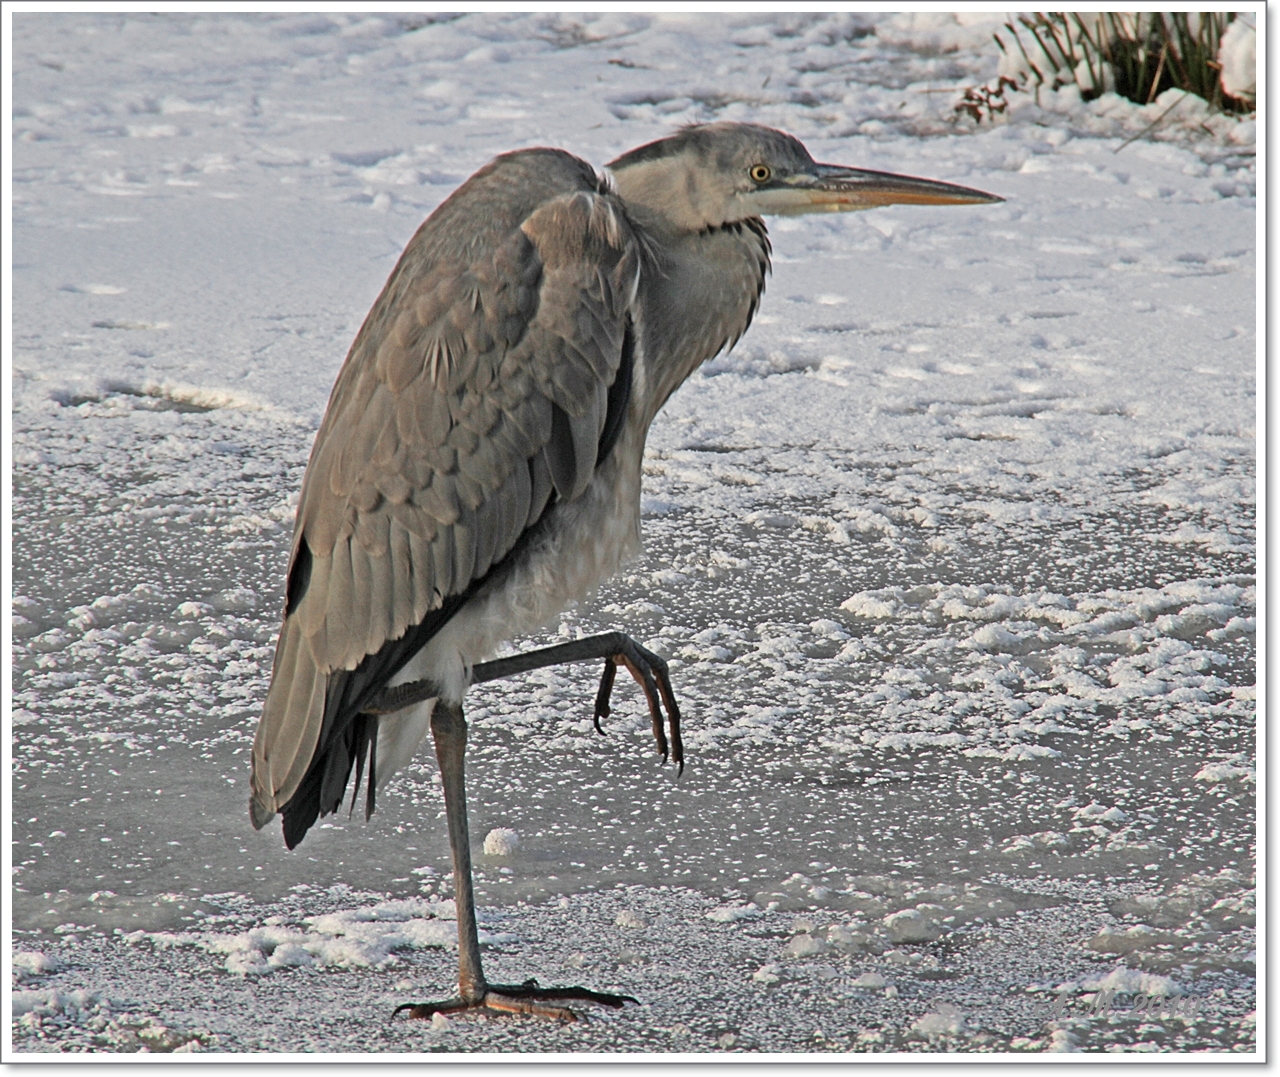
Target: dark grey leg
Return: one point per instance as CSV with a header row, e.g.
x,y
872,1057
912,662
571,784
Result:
x,y
449,728
649,670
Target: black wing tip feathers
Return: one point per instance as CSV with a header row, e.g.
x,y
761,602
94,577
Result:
x,y
299,577
324,786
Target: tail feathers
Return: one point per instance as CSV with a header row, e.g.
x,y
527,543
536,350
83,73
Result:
x,y
314,729
290,727
322,788
370,805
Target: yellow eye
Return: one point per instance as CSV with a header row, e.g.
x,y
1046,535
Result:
x,y
760,173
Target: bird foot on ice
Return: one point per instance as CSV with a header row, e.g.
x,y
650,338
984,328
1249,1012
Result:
x,y
527,997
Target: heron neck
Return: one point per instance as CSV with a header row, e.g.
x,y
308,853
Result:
x,y
699,299
670,193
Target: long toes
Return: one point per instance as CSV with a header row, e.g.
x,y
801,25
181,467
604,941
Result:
x,y
606,691
673,713
601,998
530,990
422,1011
526,998
507,1004
657,684
640,670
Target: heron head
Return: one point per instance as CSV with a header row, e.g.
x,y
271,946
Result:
x,y
718,173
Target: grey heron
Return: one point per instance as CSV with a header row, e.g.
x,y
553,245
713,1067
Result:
x,y
479,463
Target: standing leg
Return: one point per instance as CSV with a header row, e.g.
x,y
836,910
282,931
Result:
x,y
449,728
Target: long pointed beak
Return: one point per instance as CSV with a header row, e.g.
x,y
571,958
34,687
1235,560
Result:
x,y
837,189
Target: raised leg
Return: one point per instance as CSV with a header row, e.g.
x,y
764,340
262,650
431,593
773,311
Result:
x,y
649,670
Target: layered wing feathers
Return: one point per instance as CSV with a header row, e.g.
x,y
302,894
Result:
x,y
479,383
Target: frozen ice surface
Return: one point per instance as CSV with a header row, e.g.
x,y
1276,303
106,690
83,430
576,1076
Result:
x,y
953,556
705,986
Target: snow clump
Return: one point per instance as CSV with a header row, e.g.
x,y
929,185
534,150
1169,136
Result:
x,y
501,842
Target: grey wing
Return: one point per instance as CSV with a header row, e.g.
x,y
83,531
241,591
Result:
x,y
470,397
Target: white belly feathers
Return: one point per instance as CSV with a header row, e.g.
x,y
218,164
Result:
x,y
602,528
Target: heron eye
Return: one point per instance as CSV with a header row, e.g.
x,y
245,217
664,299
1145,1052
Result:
x,y
760,173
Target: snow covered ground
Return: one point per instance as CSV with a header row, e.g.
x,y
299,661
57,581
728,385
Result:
x,y
954,556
